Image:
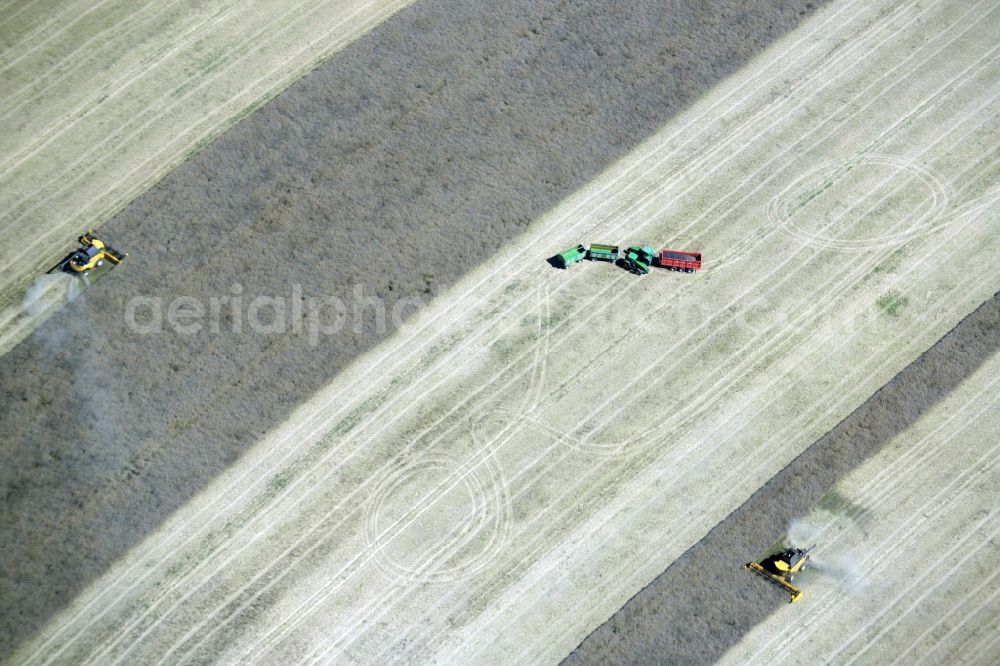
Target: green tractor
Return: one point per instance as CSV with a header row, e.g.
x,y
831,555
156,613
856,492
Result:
x,y
637,259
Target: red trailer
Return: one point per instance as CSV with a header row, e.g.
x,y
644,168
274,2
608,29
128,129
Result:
x,y
679,260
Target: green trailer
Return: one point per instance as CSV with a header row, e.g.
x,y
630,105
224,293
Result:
x,y
571,256
637,259
598,252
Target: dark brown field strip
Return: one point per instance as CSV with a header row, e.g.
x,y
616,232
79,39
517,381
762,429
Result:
x,y
395,167
705,602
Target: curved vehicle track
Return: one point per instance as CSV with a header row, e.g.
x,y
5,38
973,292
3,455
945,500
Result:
x,y
447,142
627,416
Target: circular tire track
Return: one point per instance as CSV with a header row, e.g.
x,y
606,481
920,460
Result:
x,y
796,196
483,481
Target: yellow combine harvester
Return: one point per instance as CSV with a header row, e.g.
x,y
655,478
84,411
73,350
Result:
x,y
92,260
781,567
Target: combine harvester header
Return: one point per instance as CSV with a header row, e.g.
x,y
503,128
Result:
x,y
780,568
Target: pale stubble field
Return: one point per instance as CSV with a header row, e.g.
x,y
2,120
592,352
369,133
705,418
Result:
x,y
505,472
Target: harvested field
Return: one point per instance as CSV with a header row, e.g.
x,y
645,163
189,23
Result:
x,y
505,471
426,138
907,573
102,99
708,582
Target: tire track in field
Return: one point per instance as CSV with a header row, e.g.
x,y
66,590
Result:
x,y
532,554
967,614
954,568
807,416
194,136
986,645
80,55
848,379
584,482
936,505
272,581
680,132
693,580
108,91
120,189
177,95
23,6
46,29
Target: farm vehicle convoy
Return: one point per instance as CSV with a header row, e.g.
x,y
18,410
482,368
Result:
x,y
636,258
